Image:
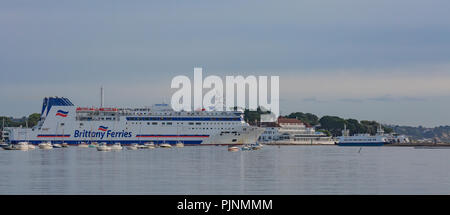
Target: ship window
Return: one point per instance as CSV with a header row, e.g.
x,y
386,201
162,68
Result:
x,y
169,123
154,123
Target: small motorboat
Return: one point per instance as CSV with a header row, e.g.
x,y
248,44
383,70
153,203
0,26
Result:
x,y
65,145
83,145
57,146
149,145
93,145
256,146
165,145
132,147
2,145
103,147
179,145
246,148
116,147
233,148
47,145
9,147
23,146
31,146
141,146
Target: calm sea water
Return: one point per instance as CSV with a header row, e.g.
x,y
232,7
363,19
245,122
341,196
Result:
x,y
214,170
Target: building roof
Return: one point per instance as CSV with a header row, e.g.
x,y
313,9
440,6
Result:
x,y
289,120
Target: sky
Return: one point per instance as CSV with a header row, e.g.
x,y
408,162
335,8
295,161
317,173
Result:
x,y
378,60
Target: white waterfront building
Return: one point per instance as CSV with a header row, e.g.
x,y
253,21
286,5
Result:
x,y
293,131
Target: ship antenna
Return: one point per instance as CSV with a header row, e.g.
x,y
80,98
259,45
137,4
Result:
x,y
101,97
344,132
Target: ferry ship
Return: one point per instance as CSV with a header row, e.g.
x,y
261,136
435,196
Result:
x,y
62,122
362,139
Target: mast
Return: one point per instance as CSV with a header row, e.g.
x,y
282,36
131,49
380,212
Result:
x,y
345,132
380,131
56,132
101,97
26,130
3,128
140,132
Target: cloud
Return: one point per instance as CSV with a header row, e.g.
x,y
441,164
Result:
x,y
352,100
408,83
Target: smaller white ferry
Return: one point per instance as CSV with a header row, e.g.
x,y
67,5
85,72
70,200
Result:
x,y
362,139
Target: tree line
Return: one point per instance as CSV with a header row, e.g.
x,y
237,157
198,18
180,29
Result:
x,y
331,125
31,120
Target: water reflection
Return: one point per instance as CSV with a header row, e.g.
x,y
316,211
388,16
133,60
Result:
x,y
214,170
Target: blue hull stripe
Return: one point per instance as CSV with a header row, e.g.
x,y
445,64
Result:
x,y
53,135
362,144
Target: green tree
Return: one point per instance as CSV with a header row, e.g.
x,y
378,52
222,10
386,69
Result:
x,y
387,129
325,132
10,122
252,116
33,119
309,118
355,127
372,127
333,124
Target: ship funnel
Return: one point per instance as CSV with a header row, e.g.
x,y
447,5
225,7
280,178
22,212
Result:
x,y
49,102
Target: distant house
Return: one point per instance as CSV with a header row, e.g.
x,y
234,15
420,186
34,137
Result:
x,y
271,133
